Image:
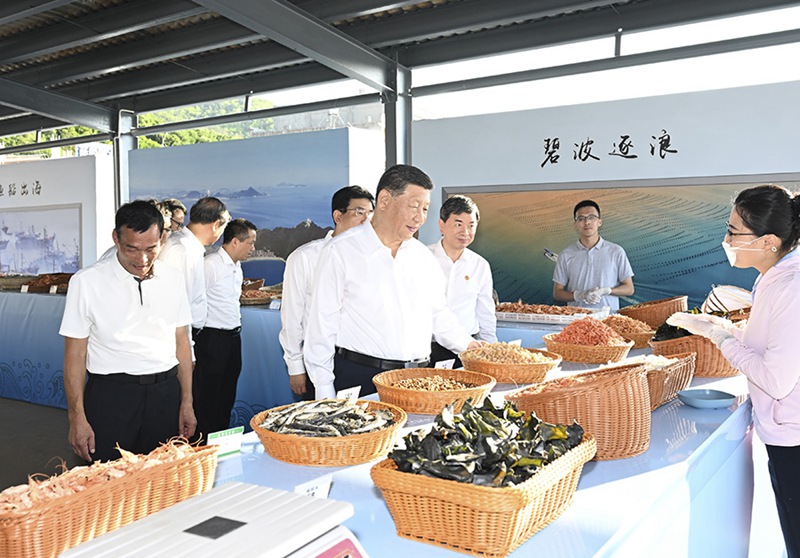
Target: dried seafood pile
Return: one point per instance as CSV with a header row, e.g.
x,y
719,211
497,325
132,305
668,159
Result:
x,y
37,491
589,331
623,324
505,353
520,307
489,446
327,418
432,383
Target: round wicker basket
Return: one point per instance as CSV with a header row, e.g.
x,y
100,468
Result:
x,y
591,354
655,312
640,340
330,452
432,402
611,403
513,373
710,361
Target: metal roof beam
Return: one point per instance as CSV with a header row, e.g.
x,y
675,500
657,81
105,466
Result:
x,y
15,10
147,50
285,23
349,9
91,28
54,105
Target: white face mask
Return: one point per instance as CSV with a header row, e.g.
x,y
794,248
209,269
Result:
x,y
730,251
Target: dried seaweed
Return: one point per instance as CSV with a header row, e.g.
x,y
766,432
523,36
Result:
x,y
487,445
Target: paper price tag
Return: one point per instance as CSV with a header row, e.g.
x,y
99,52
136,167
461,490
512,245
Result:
x,y
229,441
275,305
517,342
53,289
318,488
350,393
446,364
23,289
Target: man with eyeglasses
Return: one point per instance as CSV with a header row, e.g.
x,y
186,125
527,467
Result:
x,y
125,324
177,213
350,206
185,250
593,272
379,295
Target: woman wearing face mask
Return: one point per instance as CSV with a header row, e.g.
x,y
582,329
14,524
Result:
x,y
763,231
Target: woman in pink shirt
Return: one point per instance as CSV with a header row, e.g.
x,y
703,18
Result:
x,y
763,231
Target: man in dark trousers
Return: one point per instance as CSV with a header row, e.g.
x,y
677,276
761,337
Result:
x,y
125,324
218,346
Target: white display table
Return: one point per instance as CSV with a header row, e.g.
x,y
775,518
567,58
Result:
x,y
685,496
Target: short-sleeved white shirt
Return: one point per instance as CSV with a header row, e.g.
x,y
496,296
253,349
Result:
x,y
184,251
604,265
127,332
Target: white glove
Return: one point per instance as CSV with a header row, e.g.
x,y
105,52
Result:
x,y
715,328
582,296
596,295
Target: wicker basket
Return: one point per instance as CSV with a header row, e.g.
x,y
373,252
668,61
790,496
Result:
x,y
432,402
48,529
710,361
513,373
655,312
329,451
640,340
480,520
591,354
613,404
665,383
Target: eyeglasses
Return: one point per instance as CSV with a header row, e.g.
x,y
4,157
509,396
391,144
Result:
x,y
177,223
728,232
360,211
587,218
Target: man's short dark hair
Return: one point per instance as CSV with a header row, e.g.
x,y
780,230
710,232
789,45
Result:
x,y
238,228
341,199
207,210
586,203
456,205
174,204
139,216
398,177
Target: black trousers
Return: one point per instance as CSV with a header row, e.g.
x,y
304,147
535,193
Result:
x,y
137,417
784,465
350,374
216,373
439,353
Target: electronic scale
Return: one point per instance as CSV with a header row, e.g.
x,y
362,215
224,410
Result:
x,y
232,520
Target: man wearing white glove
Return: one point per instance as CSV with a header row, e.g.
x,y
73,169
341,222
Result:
x,y
718,330
585,269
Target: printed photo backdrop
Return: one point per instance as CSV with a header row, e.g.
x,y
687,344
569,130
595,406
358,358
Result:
x,y
672,236
40,240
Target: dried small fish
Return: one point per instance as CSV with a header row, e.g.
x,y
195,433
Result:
x,y
327,418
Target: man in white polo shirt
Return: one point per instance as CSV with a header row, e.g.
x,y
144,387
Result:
x,y
469,277
592,272
218,346
125,324
186,248
378,294
350,206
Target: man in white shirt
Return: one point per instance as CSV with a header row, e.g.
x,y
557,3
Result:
x,y
218,346
468,275
593,272
177,214
125,323
378,294
350,206
185,249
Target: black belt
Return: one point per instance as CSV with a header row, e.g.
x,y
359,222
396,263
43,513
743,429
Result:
x,y
382,363
233,331
140,378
